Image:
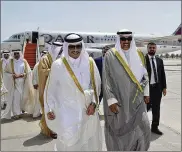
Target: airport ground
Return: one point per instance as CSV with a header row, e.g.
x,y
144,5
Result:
x,y
24,134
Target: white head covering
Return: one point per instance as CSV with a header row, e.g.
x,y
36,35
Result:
x,y
5,52
135,63
81,64
54,49
5,61
17,51
43,52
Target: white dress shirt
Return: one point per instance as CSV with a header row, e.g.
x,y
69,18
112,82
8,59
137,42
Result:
x,y
152,80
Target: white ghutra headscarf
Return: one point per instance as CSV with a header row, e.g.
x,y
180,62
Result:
x,y
17,51
5,61
131,56
54,49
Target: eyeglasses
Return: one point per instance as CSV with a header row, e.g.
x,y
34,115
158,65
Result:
x,y
126,38
78,46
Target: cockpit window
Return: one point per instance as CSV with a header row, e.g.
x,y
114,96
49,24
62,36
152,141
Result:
x,y
16,36
13,37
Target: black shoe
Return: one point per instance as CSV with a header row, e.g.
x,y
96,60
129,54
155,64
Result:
x,y
156,131
53,135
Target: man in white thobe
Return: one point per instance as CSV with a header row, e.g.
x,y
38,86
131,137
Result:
x,y
35,82
20,88
71,96
3,62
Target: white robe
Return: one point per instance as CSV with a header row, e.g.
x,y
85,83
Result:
x,y
5,81
75,129
20,96
37,107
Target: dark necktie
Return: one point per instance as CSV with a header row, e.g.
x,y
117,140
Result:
x,y
154,69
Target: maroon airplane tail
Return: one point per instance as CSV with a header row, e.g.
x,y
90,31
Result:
x,y
177,31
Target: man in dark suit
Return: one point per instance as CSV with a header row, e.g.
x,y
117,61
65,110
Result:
x,y
99,62
157,79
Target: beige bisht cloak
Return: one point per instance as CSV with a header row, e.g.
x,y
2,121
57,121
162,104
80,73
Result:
x,y
3,88
27,103
43,72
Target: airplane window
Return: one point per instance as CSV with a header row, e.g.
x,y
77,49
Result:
x,y
15,37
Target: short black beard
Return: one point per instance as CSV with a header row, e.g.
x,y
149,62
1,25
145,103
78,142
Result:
x,y
151,53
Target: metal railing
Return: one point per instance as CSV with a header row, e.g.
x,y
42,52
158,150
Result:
x,y
37,51
24,45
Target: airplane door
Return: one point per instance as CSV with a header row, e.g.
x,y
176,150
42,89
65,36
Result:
x,y
35,36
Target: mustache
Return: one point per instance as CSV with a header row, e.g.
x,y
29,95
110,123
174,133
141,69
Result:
x,y
76,51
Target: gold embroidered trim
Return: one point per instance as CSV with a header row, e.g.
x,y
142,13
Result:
x,y
72,75
130,73
25,68
142,57
135,96
49,58
93,79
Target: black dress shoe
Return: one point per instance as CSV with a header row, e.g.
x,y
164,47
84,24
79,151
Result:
x,y
156,131
53,135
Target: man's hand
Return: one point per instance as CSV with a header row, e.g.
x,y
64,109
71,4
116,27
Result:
x,y
15,76
35,86
164,92
146,99
90,110
21,75
51,115
114,108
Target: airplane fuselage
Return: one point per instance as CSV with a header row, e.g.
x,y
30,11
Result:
x,y
92,40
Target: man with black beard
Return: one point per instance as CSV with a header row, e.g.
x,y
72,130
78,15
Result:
x,y
157,79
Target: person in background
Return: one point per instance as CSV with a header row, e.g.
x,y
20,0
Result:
x,y
157,79
43,73
99,63
35,82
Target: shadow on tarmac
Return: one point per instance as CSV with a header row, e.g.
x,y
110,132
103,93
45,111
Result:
x,y
40,139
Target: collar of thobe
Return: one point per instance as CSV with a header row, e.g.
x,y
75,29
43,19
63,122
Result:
x,y
75,63
18,61
126,54
5,60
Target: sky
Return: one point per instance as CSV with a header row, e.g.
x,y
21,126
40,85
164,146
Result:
x,y
145,17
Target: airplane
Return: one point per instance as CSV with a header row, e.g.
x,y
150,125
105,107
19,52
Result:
x,y
95,42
